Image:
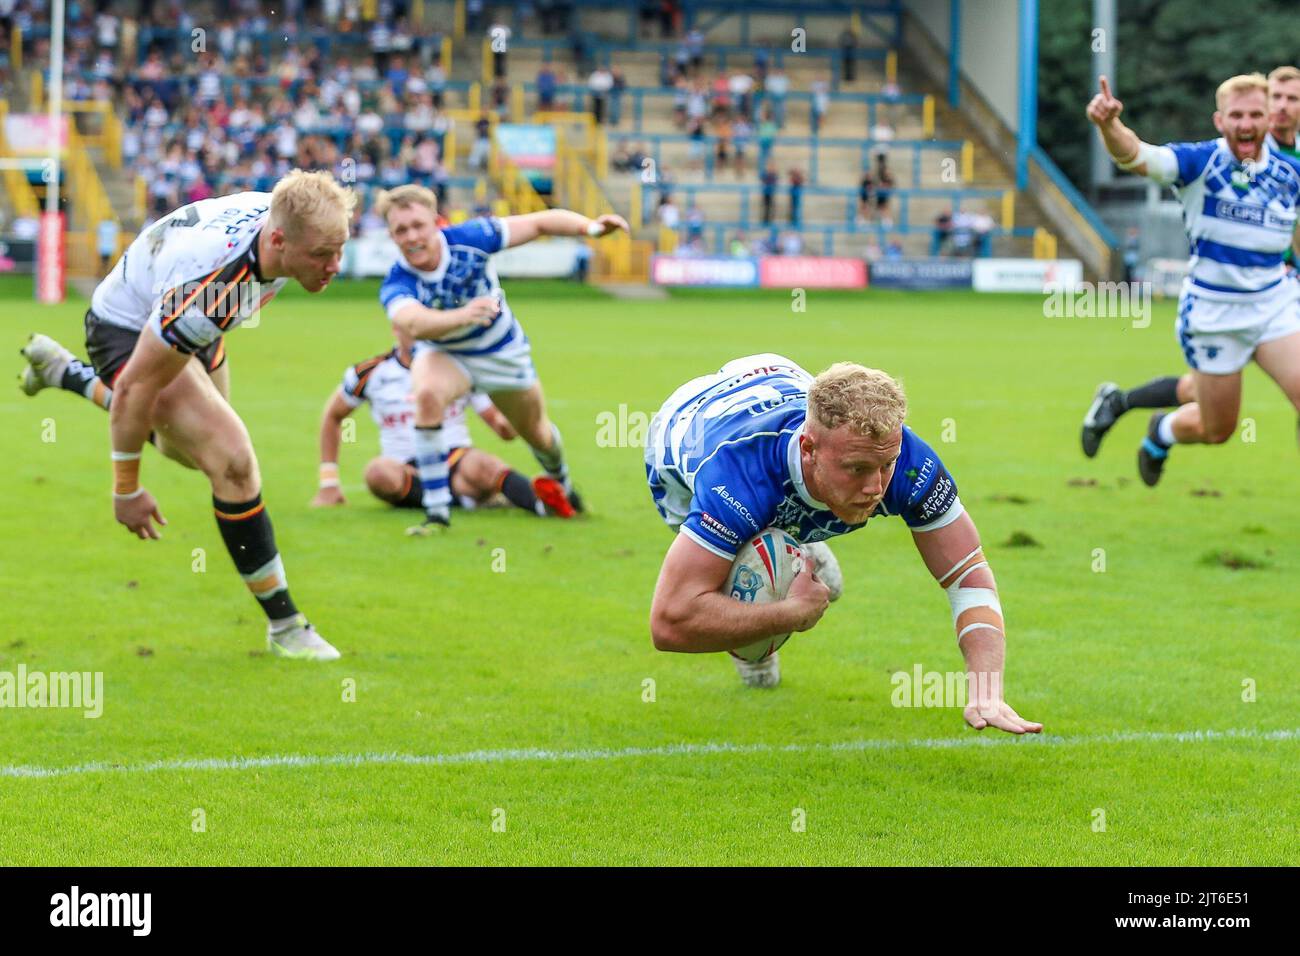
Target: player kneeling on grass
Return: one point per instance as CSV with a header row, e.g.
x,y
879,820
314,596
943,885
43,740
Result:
x,y
1240,198
154,334
444,293
762,443
475,476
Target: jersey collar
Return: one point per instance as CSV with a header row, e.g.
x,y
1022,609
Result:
x,y
794,463
443,257
253,261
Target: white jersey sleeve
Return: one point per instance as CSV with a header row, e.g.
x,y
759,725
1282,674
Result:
x,y
193,275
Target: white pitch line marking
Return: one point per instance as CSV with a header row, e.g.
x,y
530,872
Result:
x,y
667,750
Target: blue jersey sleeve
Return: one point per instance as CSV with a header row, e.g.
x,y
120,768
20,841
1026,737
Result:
x,y
921,491
1192,159
487,233
397,290
730,505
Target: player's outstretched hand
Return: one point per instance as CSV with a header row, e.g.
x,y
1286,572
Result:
x,y
482,310
138,514
1104,108
610,223
326,497
811,596
998,713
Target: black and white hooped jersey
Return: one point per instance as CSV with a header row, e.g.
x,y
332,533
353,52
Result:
x,y
385,382
193,275
464,272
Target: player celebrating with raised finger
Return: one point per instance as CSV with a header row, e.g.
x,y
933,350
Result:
x,y
1239,197
444,293
761,443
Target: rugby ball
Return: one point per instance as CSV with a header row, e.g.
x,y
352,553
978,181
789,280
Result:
x,y
763,572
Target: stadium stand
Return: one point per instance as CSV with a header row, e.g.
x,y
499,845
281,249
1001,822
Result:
x,y
710,128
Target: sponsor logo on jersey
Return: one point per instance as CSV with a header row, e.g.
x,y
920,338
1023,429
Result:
x,y
939,499
715,526
920,477
738,507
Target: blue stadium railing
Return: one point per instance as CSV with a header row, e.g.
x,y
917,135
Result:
x,y
747,193
814,145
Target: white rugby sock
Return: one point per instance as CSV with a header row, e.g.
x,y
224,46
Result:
x,y
553,461
1165,430
431,462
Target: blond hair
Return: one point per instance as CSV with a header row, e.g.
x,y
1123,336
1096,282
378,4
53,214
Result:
x,y
1284,74
304,202
1244,83
868,400
411,194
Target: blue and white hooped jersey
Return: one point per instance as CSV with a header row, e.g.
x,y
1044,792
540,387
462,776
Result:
x,y
464,272
732,441
1239,217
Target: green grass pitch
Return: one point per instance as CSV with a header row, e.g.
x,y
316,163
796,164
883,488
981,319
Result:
x,y
516,697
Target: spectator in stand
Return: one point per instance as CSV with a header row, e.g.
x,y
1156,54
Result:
x,y
499,40
769,178
695,156
738,248
882,134
501,98
681,95
694,223
668,15
796,197
616,97
667,71
436,77
695,49
719,95
741,86
942,231
546,84
821,104
848,55
894,248
866,192
741,132
482,148
682,62
106,234
791,243
649,13
722,140
884,191
473,15
667,213
766,137
600,83
872,251
579,50
760,67
697,103
776,88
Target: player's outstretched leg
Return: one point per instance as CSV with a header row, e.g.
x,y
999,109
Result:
x,y
526,411
203,427
50,365
436,381
764,673
1110,402
1154,449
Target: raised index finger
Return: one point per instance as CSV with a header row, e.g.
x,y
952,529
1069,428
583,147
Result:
x,y
1105,86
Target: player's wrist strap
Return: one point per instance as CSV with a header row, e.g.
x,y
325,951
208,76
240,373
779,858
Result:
x,y
126,474
329,474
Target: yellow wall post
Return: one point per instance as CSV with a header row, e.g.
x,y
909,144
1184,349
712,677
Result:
x,y
445,54
891,66
967,162
458,20
1008,210
927,116
16,50
487,62
449,149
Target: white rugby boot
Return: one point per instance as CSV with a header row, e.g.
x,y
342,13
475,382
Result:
x,y
764,673
825,566
47,361
300,642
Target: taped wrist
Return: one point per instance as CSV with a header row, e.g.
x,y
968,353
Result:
x,y
972,608
126,473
